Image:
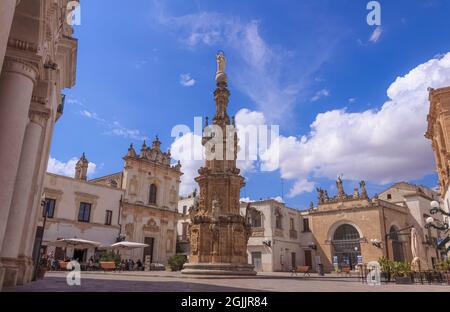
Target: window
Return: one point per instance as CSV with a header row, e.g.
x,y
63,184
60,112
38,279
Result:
x,y
49,206
85,212
389,196
108,218
256,220
291,224
306,225
184,210
153,191
278,222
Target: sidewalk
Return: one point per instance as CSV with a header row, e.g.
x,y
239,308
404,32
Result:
x,y
260,275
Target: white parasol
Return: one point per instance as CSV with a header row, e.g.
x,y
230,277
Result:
x,y
74,242
128,245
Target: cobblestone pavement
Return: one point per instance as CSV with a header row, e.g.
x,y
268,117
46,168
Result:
x,y
173,282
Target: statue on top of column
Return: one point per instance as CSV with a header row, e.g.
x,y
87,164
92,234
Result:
x,y
221,66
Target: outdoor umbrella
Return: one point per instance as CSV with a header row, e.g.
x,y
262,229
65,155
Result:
x,y
415,250
74,242
128,245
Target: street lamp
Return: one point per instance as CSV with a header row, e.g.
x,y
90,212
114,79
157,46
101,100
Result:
x,y
38,258
438,225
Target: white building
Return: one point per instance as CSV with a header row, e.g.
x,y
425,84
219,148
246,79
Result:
x,y
418,201
79,209
138,204
281,239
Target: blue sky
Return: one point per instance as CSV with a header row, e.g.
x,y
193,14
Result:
x,y
316,68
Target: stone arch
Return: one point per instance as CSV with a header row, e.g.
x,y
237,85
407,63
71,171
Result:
x,y
334,227
345,244
397,243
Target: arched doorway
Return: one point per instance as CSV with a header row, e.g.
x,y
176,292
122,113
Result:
x,y
397,245
346,246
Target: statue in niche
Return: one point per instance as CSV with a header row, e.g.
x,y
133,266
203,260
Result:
x,y
215,208
214,228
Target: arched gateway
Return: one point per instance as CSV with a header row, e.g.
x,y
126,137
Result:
x,y
346,246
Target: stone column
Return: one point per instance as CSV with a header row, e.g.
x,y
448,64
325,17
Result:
x,y
16,86
7,9
22,195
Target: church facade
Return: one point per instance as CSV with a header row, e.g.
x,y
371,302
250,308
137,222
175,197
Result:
x,y
138,204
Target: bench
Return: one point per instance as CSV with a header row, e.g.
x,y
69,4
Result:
x,y
108,266
301,269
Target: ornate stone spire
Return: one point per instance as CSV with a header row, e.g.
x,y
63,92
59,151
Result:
x,y
81,168
219,233
156,144
131,151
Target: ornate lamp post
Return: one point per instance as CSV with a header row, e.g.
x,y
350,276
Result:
x,y
438,225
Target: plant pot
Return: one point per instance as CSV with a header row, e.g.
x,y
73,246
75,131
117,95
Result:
x,y
403,280
385,278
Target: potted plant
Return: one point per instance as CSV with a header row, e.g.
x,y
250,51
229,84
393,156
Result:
x,y
386,267
176,262
402,273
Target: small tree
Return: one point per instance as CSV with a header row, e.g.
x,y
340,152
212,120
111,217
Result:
x,y
176,262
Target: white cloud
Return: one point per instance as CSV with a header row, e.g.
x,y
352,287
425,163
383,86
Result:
x,y
381,146
68,168
184,149
320,94
186,80
301,186
114,127
376,34
249,200
352,100
118,130
260,70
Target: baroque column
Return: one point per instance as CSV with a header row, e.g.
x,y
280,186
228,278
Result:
x,y
15,265
7,9
218,233
16,86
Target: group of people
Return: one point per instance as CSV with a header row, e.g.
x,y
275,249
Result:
x,y
130,265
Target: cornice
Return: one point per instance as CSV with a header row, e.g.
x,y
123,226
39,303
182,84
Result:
x,y
21,67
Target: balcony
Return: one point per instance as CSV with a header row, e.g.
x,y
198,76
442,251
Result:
x,y
293,234
184,238
257,232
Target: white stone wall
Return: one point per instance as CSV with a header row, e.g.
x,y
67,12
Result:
x,y
68,192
